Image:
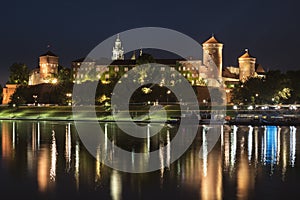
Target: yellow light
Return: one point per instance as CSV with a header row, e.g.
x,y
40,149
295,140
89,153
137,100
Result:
x,y
54,81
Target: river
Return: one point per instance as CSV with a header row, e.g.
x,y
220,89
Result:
x,y
47,160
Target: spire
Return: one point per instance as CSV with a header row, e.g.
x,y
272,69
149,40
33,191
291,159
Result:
x,y
141,52
118,52
133,56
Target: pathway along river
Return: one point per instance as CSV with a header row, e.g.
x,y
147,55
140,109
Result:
x,y
46,159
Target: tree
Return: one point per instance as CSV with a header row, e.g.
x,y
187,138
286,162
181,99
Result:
x,y
19,74
144,59
1,93
64,75
275,88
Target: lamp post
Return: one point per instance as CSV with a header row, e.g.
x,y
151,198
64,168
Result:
x,y
35,99
69,100
168,93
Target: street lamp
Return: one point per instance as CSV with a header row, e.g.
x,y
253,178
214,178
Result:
x,y
168,92
69,101
35,99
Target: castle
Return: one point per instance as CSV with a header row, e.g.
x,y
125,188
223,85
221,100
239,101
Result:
x,y
195,71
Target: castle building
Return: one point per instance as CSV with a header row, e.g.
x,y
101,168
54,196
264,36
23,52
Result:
x,y
246,66
8,91
47,70
198,72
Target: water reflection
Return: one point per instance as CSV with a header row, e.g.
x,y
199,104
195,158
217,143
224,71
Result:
x,y
50,153
53,158
68,145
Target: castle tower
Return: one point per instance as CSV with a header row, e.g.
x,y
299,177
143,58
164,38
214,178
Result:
x,y
48,65
212,54
247,66
118,52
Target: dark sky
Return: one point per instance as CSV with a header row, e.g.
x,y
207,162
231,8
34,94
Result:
x,y
270,29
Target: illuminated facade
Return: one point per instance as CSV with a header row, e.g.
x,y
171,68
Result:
x,y
246,66
8,91
47,71
213,54
196,71
118,52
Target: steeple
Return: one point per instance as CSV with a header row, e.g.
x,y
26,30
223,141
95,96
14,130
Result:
x,y
141,52
133,56
118,52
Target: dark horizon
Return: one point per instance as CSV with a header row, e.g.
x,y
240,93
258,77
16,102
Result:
x,y
72,29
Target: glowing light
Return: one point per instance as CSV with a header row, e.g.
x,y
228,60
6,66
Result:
x,y
250,136
168,158
54,81
68,147
115,186
161,159
204,152
292,145
146,90
77,164
148,137
250,107
233,146
53,158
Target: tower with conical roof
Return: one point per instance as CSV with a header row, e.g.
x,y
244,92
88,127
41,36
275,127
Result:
x,y
118,52
246,66
213,54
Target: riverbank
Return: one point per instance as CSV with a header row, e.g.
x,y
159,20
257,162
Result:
x,y
65,113
140,114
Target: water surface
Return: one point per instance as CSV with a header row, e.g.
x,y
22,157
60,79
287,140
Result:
x,y
47,160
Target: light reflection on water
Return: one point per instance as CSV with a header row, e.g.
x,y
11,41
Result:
x,y
52,158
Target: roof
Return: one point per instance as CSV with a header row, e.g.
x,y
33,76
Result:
x,y
246,55
227,74
259,69
211,40
49,53
128,62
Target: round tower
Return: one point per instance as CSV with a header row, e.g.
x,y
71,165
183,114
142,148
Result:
x,y
247,66
213,54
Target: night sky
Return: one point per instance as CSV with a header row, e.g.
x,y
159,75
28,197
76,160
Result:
x,y
270,29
